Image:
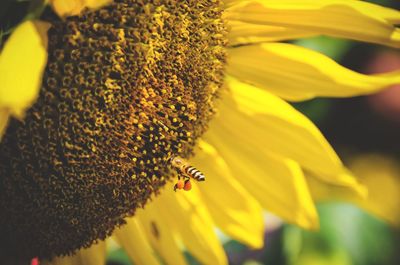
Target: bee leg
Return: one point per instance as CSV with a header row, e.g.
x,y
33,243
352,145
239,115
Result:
x,y
179,174
187,185
180,184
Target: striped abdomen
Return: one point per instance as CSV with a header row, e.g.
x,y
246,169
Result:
x,y
194,173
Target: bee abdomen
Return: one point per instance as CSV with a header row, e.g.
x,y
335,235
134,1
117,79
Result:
x,y
195,173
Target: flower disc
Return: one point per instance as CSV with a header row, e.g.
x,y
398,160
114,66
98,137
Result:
x,y
126,87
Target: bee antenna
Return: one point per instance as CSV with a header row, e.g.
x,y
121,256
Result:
x,y
169,160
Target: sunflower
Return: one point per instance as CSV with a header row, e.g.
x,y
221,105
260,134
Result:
x,y
134,83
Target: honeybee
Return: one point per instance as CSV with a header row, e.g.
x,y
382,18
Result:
x,y
186,171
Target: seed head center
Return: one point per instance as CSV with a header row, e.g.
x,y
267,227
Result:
x,y
126,87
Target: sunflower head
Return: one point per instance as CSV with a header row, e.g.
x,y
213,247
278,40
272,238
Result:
x,y
126,87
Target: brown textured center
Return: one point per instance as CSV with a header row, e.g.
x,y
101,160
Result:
x,y
126,87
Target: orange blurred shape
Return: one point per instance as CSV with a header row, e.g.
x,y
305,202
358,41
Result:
x,y
35,261
386,102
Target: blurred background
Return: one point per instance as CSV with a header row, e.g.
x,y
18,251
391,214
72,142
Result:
x,y
365,131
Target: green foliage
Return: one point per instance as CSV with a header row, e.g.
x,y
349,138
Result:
x,y
190,259
119,256
347,236
315,109
13,12
331,47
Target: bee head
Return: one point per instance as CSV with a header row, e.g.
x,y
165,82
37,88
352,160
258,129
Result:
x,y
176,161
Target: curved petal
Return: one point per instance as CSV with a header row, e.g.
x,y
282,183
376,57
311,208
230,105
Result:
x,y
94,255
296,73
157,228
347,182
175,218
22,62
233,209
73,7
278,184
380,174
263,120
132,238
247,33
350,19
260,119
4,115
192,222
231,2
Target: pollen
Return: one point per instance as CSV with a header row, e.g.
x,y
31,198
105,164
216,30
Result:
x,y
126,87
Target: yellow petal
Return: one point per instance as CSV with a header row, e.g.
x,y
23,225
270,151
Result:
x,y
278,184
96,3
66,8
381,175
351,19
4,114
346,180
233,209
22,62
263,120
231,2
296,73
245,33
157,228
95,255
133,239
192,222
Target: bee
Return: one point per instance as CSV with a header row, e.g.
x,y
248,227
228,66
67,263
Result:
x,y
186,171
